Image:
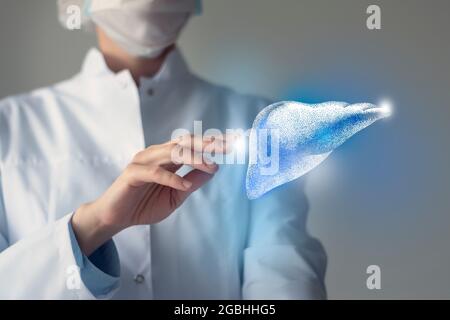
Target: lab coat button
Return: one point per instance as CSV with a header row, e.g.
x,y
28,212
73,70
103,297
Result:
x,y
139,279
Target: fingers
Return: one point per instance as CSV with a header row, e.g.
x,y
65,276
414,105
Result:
x,y
185,156
198,179
187,150
137,175
205,144
156,155
158,163
172,157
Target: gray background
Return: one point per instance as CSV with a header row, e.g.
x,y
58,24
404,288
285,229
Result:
x,y
383,198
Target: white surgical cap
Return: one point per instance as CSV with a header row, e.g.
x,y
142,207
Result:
x,y
66,8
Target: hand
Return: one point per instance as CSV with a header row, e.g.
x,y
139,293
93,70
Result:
x,y
148,190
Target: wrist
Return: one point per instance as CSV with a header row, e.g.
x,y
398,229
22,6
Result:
x,y
90,229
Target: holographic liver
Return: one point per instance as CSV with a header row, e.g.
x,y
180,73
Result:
x,y
300,136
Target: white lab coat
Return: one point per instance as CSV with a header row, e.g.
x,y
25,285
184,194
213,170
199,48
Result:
x,y
63,145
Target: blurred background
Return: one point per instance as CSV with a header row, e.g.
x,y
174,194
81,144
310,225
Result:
x,y
383,197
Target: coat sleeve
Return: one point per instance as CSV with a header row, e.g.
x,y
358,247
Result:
x,y
49,264
282,261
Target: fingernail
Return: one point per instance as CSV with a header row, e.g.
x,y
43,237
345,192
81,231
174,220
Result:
x,y
187,184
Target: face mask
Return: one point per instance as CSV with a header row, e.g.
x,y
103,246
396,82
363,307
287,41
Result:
x,y
143,28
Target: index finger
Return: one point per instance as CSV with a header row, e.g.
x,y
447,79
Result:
x,y
204,144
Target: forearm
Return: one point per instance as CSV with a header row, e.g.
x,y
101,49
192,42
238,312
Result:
x,y
90,230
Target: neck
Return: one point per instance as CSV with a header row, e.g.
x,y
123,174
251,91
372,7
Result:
x,y
118,59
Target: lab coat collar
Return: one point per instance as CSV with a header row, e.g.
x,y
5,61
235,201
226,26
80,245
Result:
x,y
173,68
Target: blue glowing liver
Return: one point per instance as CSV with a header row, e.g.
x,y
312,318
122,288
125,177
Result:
x,y
299,137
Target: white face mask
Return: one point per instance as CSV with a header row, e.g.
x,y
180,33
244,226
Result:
x,y
143,28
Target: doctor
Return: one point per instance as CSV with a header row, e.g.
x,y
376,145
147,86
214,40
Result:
x,y
90,205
